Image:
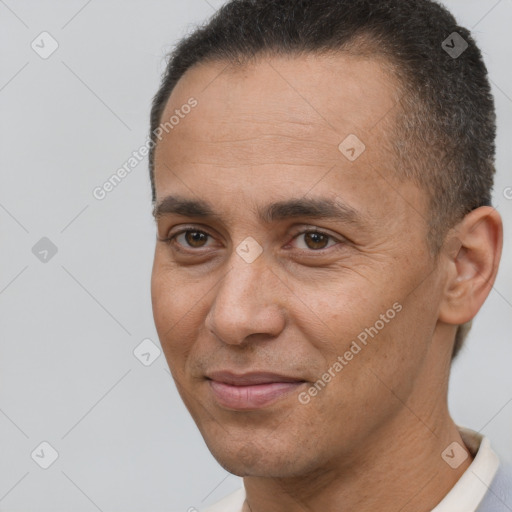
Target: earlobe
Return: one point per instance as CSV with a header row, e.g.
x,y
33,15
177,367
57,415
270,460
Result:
x,y
473,249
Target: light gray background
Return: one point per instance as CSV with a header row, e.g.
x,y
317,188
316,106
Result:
x,y
68,375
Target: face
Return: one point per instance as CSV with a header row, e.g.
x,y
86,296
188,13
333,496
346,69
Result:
x,y
287,254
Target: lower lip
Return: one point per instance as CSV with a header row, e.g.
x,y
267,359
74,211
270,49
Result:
x,y
251,397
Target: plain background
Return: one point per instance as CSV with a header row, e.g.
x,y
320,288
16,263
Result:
x,y
68,375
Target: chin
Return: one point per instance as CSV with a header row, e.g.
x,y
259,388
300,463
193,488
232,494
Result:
x,y
260,459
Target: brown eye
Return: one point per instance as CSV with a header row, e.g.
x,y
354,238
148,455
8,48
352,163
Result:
x,y
316,240
195,238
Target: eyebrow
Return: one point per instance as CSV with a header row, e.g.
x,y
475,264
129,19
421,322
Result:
x,y
318,208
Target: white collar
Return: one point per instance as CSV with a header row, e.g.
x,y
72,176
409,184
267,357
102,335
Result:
x,y
472,486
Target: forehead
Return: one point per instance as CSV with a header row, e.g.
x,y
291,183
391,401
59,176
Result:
x,y
276,124
302,107
330,95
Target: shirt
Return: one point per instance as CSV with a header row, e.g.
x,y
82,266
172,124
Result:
x,y
469,492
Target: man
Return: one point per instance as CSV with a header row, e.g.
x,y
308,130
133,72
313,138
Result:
x,y
321,176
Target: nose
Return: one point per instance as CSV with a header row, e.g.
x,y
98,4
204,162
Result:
x,y
247,304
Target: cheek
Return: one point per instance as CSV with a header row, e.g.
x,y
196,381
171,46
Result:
x,y
170,309
162,300
180,305
370,329
342,309
171,296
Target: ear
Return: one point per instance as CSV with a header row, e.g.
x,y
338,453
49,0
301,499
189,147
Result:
x,y
474,249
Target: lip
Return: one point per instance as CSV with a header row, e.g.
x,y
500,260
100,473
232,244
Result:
x,y
250,391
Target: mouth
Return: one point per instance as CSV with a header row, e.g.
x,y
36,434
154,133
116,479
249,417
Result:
x,y
250,391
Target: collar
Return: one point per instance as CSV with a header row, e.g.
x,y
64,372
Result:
x,y
472,486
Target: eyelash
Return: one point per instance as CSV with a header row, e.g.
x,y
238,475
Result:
x,y
170,239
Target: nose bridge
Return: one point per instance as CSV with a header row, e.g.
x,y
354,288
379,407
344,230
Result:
x,y
244,303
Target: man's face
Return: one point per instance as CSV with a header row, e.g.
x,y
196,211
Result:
x,y
252,311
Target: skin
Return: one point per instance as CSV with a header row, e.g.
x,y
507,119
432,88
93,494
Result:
x,y
269,131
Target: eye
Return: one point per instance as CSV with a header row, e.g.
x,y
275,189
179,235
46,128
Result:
x,y
315,240
191,238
